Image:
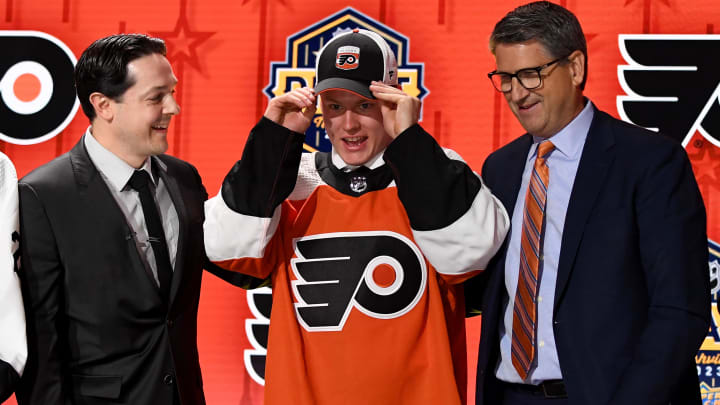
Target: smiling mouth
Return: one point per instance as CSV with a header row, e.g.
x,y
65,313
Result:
x,y
354,140
160,127
527,106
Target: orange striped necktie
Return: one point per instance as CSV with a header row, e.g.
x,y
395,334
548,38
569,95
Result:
x,y
524,326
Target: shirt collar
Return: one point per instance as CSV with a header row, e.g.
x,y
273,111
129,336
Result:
x,y
570,140
115,170
371,164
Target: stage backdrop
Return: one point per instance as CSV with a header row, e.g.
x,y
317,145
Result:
x,y
652,62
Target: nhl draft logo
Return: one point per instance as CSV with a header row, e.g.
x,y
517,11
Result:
x,y
676,93
382,274
298,70
348,57
708,358
37,93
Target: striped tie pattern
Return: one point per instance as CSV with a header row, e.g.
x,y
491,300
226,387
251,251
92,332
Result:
x,y
525,309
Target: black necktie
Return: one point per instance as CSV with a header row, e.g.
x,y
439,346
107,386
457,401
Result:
x,y
140,182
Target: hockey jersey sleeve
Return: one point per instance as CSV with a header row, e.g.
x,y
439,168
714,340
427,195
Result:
x,y
242,219
456,221
13,343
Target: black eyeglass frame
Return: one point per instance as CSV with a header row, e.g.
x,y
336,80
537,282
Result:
x,y
536,69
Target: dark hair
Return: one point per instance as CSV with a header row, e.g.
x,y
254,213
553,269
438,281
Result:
x,y
103,66
555,27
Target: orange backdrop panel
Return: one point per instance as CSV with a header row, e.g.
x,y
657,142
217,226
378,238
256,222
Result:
x,y
221,52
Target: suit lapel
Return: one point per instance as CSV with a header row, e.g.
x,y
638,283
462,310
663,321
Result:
x,y
94,193
595,161
173,188
508,190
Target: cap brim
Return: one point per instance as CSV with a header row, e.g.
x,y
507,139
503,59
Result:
x,y
339,83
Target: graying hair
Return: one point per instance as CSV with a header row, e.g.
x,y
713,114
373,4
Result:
x,y
553,26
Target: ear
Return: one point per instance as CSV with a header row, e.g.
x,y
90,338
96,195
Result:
x,y
577,67
103,106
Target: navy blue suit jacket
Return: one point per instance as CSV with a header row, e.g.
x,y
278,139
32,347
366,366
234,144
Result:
x,y
632,296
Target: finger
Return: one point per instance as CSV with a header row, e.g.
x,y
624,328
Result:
x,y
385,88
306,92
300,100
305,95
309,112
393,98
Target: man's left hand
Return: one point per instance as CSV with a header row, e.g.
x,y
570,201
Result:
x,y
400,111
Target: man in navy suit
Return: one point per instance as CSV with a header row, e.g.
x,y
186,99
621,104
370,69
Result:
x,y
600,294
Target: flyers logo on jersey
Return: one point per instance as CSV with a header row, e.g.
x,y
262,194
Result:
x,y
348,58
298,69
678,92
381,274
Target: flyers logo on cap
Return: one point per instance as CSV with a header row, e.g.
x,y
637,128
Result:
x,y
348,57
37,94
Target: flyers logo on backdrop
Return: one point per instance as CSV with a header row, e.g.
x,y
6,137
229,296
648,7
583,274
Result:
x,y
37,94
382,274
672,84
298,70
708,358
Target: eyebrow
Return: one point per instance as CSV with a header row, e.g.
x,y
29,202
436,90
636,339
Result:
x,y
160,88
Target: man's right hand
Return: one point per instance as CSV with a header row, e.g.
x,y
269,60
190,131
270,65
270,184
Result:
x,y
293,110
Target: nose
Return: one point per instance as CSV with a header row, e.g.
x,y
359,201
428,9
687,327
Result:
x,y
517,91
171,106
350,121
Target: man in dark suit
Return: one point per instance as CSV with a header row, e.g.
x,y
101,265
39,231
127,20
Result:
x,y
600,295
112,244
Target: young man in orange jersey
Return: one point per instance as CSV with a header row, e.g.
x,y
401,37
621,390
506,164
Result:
x,y
365,245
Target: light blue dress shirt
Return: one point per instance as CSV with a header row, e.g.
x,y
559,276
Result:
x,y
562,163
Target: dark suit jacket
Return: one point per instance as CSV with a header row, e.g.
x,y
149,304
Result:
x,y
98,330
632,296
8,379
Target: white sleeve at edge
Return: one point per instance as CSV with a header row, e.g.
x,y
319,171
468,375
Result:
x,y
230,235
13,341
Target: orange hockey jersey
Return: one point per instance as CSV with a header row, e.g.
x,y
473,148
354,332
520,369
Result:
x,y
365,307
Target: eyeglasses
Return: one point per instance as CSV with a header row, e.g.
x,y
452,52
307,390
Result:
x,y
529,78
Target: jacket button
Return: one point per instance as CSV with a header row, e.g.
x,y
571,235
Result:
x,y
168,379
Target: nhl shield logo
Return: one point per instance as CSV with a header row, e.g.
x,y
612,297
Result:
x,y
298,70
358,184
